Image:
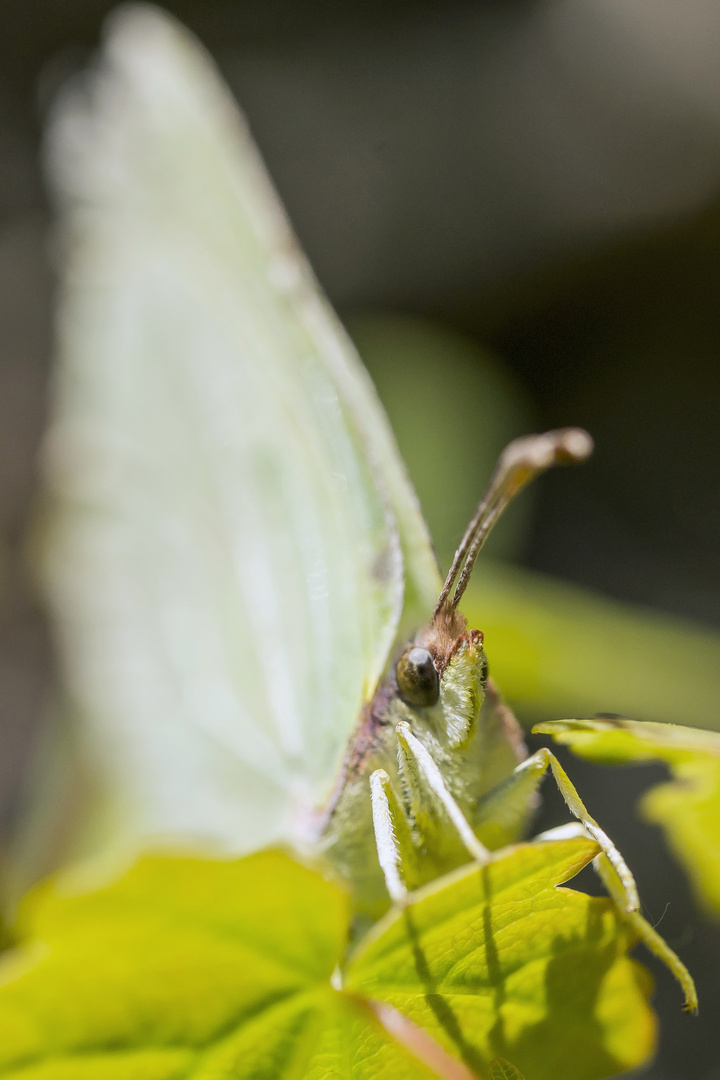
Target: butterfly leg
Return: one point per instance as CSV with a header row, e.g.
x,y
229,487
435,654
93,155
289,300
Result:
x,y
647,933
429,800
393,838
538,764
612,871
404,839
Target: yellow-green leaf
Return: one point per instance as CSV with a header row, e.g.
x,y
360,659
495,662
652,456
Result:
x,y
205,969
687,807
500,961
500,1069
188,967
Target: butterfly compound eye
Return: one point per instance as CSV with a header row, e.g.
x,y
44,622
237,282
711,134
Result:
x,y
417,677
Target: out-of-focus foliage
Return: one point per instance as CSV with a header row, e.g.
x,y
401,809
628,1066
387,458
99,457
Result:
x,y
500,1069
687,807
624,340
453,408
227,968
556,649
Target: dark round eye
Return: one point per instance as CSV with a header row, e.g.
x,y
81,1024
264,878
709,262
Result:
x,y
417,677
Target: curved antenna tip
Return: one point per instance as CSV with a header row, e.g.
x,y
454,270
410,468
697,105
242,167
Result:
x,y
519,463
533,454
574,444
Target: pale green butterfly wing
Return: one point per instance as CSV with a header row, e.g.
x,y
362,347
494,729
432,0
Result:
x,y
230,523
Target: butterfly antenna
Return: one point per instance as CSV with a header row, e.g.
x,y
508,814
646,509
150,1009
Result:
x,y
519,462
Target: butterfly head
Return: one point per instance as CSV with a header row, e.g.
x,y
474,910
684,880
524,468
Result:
x,y
446,646
422,664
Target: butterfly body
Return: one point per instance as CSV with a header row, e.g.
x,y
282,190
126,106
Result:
x,y
472,738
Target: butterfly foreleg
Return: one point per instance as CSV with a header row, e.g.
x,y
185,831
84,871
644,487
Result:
x,y
536,765
647,933
411,833
500,809
429,799
396,848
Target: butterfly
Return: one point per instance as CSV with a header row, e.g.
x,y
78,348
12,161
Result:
x,y
258,646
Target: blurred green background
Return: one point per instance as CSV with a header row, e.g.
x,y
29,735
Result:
x,y
516,207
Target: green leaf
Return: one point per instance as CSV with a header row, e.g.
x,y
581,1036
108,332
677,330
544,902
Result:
x,y
559,650
500,1069
188,967
687,807
499,961
207,969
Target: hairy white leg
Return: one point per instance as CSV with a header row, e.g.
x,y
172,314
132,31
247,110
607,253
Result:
x,y
627,895
429,800
424,778
647,934
388,819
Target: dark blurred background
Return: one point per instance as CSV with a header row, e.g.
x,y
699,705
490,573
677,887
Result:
x,y
529,188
